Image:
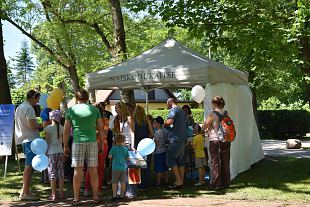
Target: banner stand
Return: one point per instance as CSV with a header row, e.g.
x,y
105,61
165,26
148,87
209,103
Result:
x,y
5,166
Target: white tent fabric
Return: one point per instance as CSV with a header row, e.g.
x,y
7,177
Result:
x,y
172,65
246,149
168,65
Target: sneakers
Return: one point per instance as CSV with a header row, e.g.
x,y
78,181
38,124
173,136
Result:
x,y
86,193
114,198
28,198
199,184
61,195
53,197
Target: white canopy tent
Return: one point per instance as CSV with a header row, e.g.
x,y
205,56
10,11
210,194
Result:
x,y
167,65
172,65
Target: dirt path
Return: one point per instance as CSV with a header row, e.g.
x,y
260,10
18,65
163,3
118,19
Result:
x,y
197,201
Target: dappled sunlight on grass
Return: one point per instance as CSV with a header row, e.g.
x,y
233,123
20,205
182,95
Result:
x,y
286,179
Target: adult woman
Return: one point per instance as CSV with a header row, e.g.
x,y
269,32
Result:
x,y
143,129
219,150
124,123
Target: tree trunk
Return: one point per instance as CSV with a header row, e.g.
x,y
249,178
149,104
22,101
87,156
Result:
x,y
5,97
120,50
304,47
74,78
119,46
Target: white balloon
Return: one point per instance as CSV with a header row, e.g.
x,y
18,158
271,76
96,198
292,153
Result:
x,y
198,93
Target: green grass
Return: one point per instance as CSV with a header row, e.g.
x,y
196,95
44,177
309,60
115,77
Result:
x,y
284,179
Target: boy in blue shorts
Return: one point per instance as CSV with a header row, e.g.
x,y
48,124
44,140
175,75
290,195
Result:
x,y
119,155
160,138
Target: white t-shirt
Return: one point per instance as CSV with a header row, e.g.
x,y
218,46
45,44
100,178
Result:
x,y
54,142
126,131
23,133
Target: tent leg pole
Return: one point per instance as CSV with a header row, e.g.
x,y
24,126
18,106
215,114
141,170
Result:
x,y
5,166
147,101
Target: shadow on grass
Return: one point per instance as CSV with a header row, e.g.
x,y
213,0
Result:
x,y
288,175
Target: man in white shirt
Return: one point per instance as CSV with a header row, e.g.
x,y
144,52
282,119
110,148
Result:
x,y
27,129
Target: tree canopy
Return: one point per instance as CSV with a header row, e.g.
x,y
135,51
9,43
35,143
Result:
x,y
260,37
268,39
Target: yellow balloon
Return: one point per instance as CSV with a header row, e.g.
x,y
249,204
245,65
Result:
x,y
53,102
57,92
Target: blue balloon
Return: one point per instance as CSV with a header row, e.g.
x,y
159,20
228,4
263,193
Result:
x,y
146,146
42,100
40,162
38,146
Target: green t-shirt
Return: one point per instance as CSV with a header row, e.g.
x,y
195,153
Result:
x,y
83,119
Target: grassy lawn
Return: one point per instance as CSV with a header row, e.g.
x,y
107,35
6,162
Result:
x,y
284,179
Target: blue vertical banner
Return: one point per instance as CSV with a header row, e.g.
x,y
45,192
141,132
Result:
x,y
6,128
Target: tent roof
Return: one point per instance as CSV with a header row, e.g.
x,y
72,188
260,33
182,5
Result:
x,y
168,65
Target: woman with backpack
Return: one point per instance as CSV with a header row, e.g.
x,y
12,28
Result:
x,y
218,147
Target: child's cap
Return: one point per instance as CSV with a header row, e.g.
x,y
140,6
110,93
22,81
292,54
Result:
x,y
159,120
55,115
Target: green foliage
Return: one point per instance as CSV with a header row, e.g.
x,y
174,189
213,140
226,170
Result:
x,y
24,65
273,103
283,124
273,124
259,37
18,95
11,77
183,94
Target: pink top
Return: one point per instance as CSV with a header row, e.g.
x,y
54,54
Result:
x,y
212,133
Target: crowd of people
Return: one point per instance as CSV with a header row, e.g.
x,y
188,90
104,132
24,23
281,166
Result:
x,y
98,150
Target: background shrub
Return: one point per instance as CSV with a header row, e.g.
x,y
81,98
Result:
x,y
283,124
196,113
272,124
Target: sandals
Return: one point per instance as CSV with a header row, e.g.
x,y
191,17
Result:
x,y
97,200
75,203
177,187
61,195
78,202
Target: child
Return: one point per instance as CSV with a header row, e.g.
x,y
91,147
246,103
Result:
x,y
119,155
55,154
200,159
160,138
